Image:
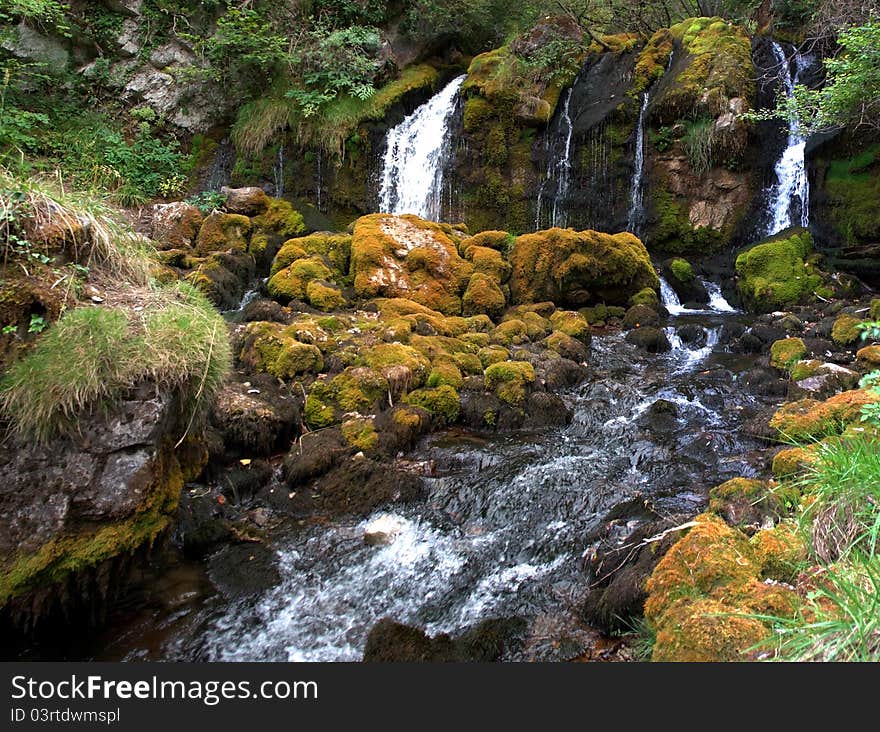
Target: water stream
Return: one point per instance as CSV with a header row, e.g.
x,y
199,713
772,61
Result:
x,y
789,198
558,169
417,153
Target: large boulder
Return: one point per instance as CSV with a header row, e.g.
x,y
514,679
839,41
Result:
x,y
578,267
405,256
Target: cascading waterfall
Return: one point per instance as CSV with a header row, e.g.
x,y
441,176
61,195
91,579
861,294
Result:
x,y
416,154
789,197
559,170
278,172
635,206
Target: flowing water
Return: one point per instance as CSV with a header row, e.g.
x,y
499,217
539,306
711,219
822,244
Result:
x,y
635,208
417,153
558,173
790,196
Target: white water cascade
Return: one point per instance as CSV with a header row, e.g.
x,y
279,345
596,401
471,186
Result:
x,y
635,206
717,302
559,169
278,172
789,197
416,154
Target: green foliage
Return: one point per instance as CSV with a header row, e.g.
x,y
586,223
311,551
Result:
x,y
851,94
698,142
207,201
44,12
93,355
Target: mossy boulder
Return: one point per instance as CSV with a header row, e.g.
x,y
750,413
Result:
x,y
292,282
334,248
776,273
509,380
575,268
807,419
394,355
746,502
639,315
175,225
324,295
221,232
492,354
280,219
793,461
845,330
442,403
786,352
781,551
682,271
500,241
646,296
407,257
868,358
271,347
483,296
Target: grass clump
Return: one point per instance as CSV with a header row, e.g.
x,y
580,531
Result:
x,y
92,356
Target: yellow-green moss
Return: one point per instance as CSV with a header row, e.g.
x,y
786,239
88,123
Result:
x,y
775,274
324,296
386,355
445,372
280,218
781,551
846,330
570,267
358,389
869,357
807,419
483,296
492,354
646,296
652,61
510,332
360,434
442,403
509,379
573,324
793,460
291,283
681,270
221,231
786,352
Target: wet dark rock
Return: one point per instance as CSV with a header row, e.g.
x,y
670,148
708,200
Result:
x,y
661,416
547,410
652,340
765,382
561,373
268,310
640,315
692,334
390,641
240,570
256,418
203,522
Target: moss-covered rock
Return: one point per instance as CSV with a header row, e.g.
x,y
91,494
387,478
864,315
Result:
x,y
639,315
442,403
280,219
647,297
509,380
573,324
781,551
792,461
271,348
808,418
682,271
845,330
483,296
335,248
324,295
292,282
407,257
360,433
868,357
220,232
576,268
747,503
786,352
776,273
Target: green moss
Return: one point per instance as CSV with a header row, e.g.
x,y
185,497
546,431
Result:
x,y
509,379
573,324
386,355
483,297
786,352
846,330
869,357
569,267
291,283
852,187
270,348
775,273
220,232
324,296
682,270
510,332
809,419
671,228
336,248
652,61
468,363
646,296
445,372
360,434
359,389
492,354
442,403
318,412
280,218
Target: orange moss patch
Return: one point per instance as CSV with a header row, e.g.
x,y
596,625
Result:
x,y
808,418
869,357
780,550
793,460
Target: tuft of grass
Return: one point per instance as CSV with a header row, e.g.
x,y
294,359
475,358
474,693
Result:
x,y
92,356
842,514
34,208
260,120
839,622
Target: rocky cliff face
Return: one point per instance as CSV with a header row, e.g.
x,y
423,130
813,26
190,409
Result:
x,y
76,512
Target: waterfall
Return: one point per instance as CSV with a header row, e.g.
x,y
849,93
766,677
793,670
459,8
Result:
x,y
669,298
278,172
559,170
416,153
635,206
717,301
688,357
789,197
